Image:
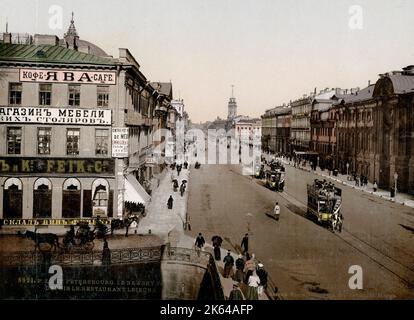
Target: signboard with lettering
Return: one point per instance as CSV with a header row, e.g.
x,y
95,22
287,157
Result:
x,y
67,76
51,222
120,142
55,115
12,165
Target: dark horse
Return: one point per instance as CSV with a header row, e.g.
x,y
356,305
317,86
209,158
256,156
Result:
x,y
123,223
40,238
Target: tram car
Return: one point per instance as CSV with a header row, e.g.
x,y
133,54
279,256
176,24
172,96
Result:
x,y
324,201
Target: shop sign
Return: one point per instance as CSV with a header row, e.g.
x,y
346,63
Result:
x,y
120,138
72,116
67,76
24,165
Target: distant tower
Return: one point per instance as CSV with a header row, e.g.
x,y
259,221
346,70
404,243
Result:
x,y
232,106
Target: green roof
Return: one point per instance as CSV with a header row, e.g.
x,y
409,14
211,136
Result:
x,y
48,54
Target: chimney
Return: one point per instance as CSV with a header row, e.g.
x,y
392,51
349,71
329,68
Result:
x,y
7,37
45,39
369,83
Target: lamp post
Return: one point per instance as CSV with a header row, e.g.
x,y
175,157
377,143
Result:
x,y
395,185
347,168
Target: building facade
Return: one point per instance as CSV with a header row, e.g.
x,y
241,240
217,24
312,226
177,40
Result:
x,y
300,134
76,131
375,131
276,126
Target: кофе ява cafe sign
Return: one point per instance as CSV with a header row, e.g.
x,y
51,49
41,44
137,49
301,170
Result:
x,y
67,76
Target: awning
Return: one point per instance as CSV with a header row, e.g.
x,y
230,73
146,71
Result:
x,y
134,192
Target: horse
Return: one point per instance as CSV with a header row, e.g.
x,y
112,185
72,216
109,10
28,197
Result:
x,y
125,223
39,238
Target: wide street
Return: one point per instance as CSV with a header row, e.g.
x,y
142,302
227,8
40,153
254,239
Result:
x,y
305,260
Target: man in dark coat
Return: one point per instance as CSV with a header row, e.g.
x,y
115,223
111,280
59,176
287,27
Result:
x,y
228,265
245,243
262,274
236,294
170,202
199,243
239,269
106,254
217,241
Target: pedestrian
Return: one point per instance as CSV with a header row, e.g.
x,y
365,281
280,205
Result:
x,y
262,274
170,202
239,276
276,211
375,186
228,265
253,285
178,169
249,268
199,243
182,188
235,293
217,241
106,254
245,243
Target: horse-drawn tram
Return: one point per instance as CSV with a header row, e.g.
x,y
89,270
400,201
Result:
x,y
324,203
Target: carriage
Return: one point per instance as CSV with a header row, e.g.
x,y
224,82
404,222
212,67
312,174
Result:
x,y
83,238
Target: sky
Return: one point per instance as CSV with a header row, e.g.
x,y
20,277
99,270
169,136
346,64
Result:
x,y
271,51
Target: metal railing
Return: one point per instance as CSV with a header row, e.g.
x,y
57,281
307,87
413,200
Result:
x,y
118,256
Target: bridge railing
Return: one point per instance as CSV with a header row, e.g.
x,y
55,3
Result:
x,y
118,256
202,258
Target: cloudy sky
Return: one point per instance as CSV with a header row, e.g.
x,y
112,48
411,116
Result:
x,y
272,51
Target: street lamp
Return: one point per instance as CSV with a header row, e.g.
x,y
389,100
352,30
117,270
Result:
x,y
395,184
347,168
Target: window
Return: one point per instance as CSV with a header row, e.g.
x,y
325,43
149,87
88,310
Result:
x,y
103,96
72,141
101,142
45,94
100,198
74,95
43,140
14,140
15,93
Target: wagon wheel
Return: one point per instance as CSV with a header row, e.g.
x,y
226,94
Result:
x,y
88,246
45,247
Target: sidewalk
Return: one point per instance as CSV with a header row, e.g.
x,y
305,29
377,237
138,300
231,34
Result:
x,y
159,219
401,198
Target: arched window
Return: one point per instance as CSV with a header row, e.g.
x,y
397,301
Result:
x,y
71,198
100,197
42,198
12,198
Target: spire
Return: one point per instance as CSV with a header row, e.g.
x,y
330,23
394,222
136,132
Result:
x,y
72,29
232,89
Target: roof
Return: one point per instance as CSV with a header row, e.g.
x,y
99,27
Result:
x,y
361,95
164,88
48,54
402,83
322,105
93,48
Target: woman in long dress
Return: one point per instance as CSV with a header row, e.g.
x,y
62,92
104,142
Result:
x,y
252,289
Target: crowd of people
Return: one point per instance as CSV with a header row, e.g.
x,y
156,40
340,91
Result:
x,y
246,271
